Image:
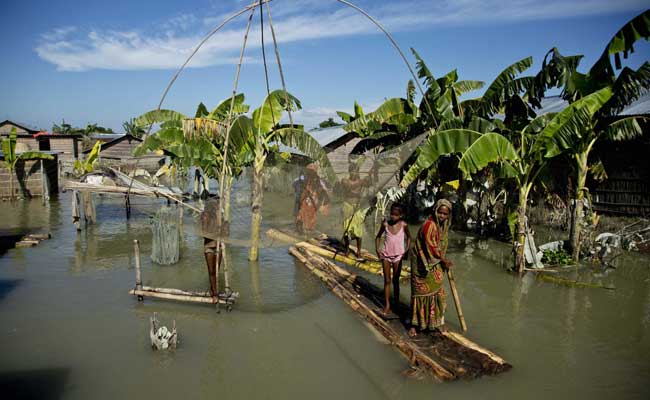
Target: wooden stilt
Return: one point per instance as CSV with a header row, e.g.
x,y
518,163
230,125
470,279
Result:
x,y
138,273
76,212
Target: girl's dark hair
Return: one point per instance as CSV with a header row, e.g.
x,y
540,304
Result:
x,y
397,206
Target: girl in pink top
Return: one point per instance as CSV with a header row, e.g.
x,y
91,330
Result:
x,y
394,231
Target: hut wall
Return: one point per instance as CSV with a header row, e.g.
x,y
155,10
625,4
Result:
x,y
339,158
626,191
30,142
6,129
122,149
68,146
28,179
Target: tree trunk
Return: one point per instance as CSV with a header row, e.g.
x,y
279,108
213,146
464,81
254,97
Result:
x,y
578,206
12,195
519,240
257,196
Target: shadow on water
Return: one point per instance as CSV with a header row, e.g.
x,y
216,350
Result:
x,y
8,241
7,285
34,384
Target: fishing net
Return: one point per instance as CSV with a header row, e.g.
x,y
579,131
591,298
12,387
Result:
x,y
350,196
165,248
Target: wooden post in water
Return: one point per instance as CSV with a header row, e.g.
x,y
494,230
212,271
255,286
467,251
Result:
x,y
454,292
138,273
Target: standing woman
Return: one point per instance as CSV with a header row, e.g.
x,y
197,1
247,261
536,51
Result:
x,y
313,196
427,267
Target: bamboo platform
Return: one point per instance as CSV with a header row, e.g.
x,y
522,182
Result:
x,y
446,356
228,299
332,249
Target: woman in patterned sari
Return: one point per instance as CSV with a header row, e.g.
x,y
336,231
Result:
x,y
313,196
427,267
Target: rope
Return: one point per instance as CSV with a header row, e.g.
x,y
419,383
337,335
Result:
x,y
182,67
399,50
222,178
277,57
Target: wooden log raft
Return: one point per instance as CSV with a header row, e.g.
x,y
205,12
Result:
x,y
447,356
326,249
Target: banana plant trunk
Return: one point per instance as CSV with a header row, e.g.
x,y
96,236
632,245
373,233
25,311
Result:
x,y
578,207
519,241
257,196
12,195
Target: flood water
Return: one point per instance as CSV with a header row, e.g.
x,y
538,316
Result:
x,y
69,329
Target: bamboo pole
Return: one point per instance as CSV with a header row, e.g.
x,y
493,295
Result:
x,y
374,267
178,297
138,272
454,292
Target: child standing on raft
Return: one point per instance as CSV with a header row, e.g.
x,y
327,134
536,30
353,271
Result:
x,y
394,231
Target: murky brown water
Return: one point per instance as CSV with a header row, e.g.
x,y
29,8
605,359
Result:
x,y
69,328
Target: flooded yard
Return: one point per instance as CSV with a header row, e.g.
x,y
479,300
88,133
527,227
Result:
x,y
70,330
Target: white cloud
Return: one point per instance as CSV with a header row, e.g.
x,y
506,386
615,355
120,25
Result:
x,y
294,21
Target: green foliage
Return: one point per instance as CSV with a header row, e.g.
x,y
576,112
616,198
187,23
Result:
x,y
132,128
572,128
266,117
201,111
488,148
88,165
328,123
622,42
557,257
12,158
220,112
158,116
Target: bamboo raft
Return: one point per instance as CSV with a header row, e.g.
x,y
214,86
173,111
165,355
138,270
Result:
x,y
332,249
446,356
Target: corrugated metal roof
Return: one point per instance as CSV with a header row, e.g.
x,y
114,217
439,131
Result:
x,y
640,107
325,136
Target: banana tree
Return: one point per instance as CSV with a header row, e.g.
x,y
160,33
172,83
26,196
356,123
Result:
x,y
88,165
521,159
171,140
254,138
596,98
11,158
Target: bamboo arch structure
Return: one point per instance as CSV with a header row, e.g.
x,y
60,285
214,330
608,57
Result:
x,y
251,8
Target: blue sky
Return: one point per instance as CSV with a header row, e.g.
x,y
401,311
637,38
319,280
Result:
x,y
105,62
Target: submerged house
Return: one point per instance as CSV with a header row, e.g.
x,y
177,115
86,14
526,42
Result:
x,y
30,138
118,152
626,190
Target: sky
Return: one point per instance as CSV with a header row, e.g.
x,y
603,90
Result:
x,y
107,61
